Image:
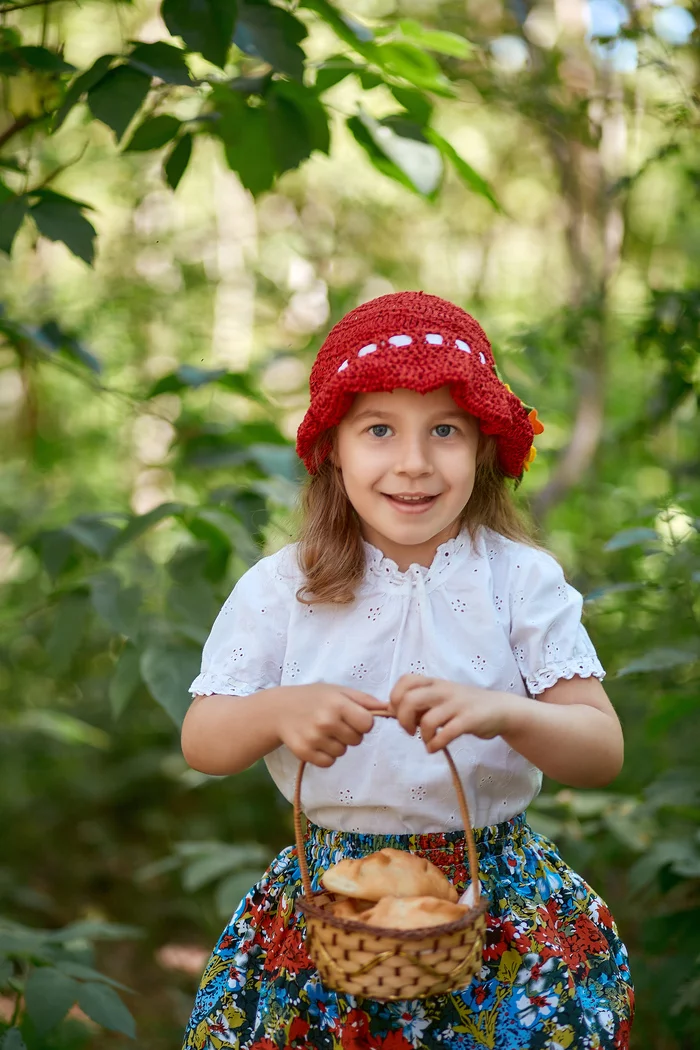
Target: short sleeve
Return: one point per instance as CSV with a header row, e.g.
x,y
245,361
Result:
x,y
245,648
548,640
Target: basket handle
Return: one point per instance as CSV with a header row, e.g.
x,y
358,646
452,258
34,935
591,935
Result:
x,y
464,810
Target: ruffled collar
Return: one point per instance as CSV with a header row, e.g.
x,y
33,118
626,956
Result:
x,y
378,564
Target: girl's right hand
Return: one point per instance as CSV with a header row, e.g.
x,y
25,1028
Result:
x,y
318,722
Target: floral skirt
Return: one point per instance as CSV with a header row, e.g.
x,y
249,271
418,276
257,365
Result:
x,y
555,973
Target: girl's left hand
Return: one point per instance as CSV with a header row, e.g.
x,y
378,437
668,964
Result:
x,y
445,710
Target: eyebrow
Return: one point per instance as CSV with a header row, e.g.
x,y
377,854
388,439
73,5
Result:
x,y
370,413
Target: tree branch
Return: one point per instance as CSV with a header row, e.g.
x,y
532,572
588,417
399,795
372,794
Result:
x,y
19,125
7,9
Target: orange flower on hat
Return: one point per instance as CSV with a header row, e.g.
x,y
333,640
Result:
x,y
530,457
537,425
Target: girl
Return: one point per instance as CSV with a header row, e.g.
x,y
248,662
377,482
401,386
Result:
x,y
413,584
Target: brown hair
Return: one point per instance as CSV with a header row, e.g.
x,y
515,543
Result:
x,y
331,552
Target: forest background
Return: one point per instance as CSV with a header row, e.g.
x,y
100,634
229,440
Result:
x,y
190,195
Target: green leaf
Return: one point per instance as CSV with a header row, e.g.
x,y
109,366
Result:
x,y
92,532
248,147
298,123
117,606
469,177
12,212
659,660
80,85
57,725
436,40
212,863
178,159
415,65
414,102
205,25
124,681
407,149
231,890
65,222
70,618
102,1004
631,537
168,673
89,930
116,97
56,339
12,1040
42,59
272,34
54,548
377,156
87,973
333,70
161,60
6,971
154,133
49,995
327,13
142,522
186,376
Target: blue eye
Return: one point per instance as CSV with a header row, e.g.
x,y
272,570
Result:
x,y
444,430
378,426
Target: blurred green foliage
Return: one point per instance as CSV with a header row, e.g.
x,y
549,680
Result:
x,y
543,177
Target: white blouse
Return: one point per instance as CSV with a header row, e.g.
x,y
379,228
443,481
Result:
x,y
495,614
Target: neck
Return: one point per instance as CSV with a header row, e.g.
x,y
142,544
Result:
x,y
406,555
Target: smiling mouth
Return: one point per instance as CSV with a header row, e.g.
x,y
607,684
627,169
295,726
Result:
x,y
410,500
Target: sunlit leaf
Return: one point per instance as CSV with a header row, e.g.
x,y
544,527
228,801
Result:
x,y
467,174
435,39
414,64
142,522
406,147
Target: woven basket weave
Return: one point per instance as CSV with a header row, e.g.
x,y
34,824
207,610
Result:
x,y
377,963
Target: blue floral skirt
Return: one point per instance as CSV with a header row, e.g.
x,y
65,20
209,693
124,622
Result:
x,y
555,973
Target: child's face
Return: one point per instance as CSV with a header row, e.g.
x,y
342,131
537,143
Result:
x,y
401,443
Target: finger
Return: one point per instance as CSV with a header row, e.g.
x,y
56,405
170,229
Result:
x,y
416,703
347,733
439,715
363,699
331,746
357,717
318,758
446,734
405,683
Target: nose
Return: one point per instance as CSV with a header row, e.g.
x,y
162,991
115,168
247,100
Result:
x,y
414,457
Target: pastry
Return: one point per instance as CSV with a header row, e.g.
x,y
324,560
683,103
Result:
x,y
390,871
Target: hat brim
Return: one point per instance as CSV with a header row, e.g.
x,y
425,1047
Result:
x,y
473,384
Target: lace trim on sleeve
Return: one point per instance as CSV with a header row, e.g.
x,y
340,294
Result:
x,y
207,683
583,665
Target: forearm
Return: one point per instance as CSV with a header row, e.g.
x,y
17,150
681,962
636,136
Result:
x,y
227,734
575,744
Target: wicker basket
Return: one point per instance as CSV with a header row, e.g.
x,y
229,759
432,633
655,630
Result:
x,y
376,963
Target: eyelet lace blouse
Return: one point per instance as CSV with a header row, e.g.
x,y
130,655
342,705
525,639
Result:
x,y
494,614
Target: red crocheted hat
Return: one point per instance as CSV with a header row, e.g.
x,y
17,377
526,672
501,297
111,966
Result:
x,y
420,342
